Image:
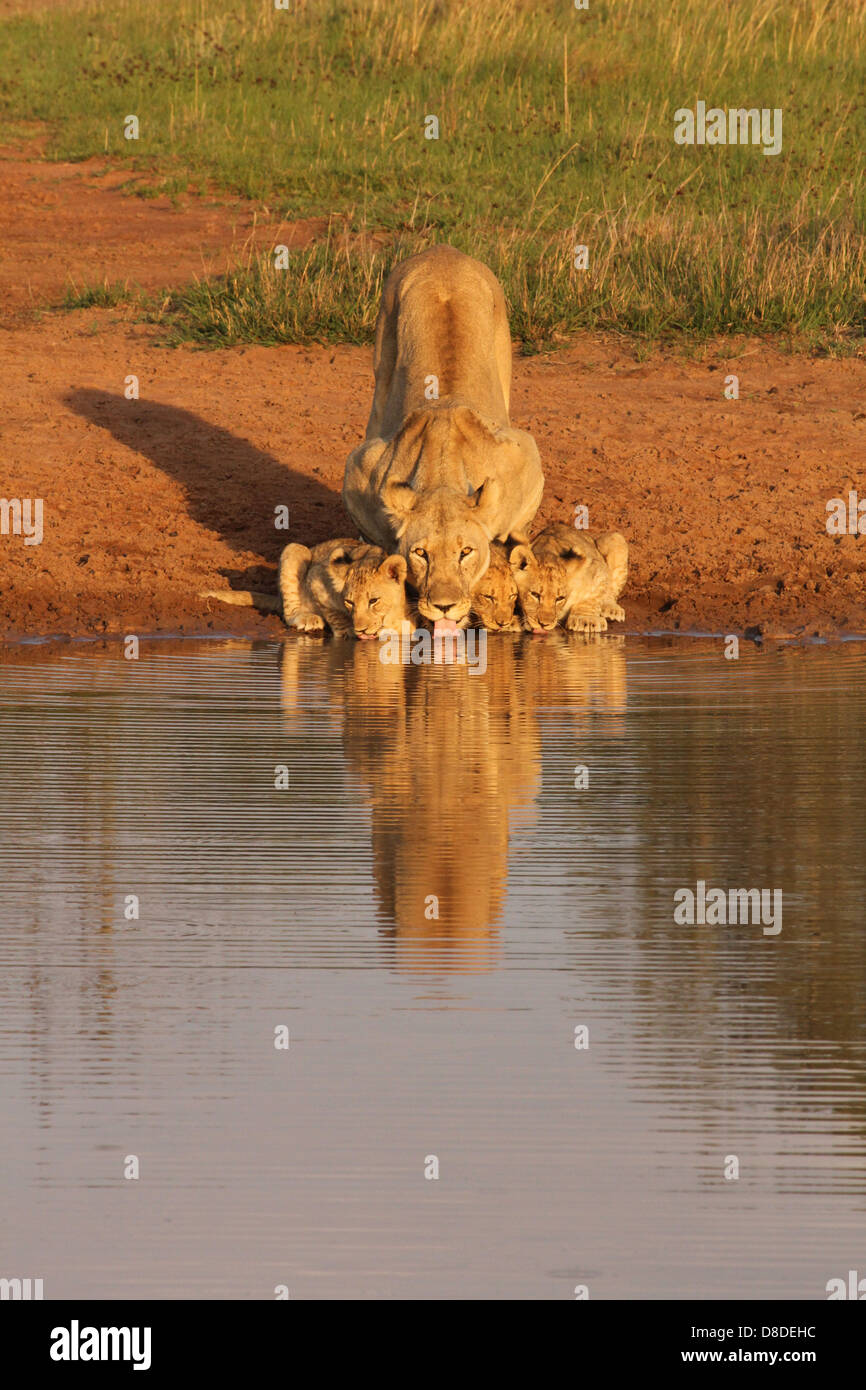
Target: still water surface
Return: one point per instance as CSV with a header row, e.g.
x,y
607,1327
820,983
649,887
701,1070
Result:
x,y
412,1036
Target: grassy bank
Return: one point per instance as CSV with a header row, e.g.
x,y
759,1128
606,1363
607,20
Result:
x,y
555,128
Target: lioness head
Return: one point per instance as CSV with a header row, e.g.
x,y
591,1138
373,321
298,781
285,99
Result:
x,y
495,598
446,544
542,588
375,595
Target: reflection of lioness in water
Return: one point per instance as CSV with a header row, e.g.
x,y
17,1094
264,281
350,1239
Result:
x,y
437,479
448,767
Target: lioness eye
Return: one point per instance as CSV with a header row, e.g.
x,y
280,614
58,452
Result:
x,y
488,598
422,554
560,598
533,594
467,550
348,602
373,602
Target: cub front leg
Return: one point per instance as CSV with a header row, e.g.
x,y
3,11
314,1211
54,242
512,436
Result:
x,y
303,620
611,609
297,613
586,620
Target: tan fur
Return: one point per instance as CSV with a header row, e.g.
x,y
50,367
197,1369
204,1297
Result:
x,y
494,598
542,588
312,584
577,578
438,479
245,598
448,769
614,547
375,594
348,586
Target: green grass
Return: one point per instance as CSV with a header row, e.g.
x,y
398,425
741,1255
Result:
x,y
104,296
655,286
321,109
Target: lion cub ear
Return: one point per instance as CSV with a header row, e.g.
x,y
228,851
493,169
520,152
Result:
x,y
613,546
394,567
514,538
520,558
341,559
575,559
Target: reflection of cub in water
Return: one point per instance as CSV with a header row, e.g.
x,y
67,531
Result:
x,y
444,761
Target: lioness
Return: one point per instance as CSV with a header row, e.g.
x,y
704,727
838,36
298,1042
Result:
x,y
565,576
441,471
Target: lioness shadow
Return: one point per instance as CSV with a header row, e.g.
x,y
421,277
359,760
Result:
x,y
232,487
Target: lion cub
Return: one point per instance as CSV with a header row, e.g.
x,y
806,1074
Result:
x,y
311,586
565,576
375,595
495,598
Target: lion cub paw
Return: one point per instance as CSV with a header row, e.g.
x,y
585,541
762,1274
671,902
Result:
x,y
614,611
586,622
305,621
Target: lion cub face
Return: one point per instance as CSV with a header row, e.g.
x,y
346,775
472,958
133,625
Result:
x,y
495,598
595,573
542,588
375,595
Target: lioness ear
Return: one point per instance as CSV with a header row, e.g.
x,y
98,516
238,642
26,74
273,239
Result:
x,y
394,568
485,500
520,558
399,499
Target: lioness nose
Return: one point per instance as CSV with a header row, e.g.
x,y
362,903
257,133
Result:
x,y
446,608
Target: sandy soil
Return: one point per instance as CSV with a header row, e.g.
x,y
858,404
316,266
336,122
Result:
x,y
148,501
70,225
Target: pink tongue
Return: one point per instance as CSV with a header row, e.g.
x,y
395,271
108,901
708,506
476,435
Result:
x,y
445,625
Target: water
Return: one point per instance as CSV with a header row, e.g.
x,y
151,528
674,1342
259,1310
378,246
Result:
x,y
411,1036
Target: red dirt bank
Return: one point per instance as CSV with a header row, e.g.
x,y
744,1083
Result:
x,y
149,501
